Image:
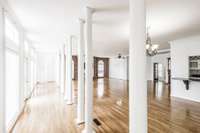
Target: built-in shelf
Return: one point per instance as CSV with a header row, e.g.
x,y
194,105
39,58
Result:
x,y
187,81
194,72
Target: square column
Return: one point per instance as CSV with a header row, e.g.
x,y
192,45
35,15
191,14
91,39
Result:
x,y
68,89
88,73
62,70
137,68
2,71
80,104
59,69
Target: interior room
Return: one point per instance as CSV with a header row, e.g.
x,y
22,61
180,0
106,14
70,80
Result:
x,y
99,66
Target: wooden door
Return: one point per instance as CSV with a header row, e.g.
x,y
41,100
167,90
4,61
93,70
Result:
x,y
155,71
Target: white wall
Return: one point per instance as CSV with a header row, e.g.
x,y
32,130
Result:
x,y
161,59
149,72
118,68
2,75
47,67
180,51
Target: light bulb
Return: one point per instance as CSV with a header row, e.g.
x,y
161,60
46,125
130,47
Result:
x,y
147,46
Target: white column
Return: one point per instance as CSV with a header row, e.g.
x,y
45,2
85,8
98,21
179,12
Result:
x,y
35,67
2,75
68,92
80,104
59,70
137,67
62,69
88,73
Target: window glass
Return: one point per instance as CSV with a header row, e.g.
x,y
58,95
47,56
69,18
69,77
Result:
x,y
11,31
12,85
26,77
32,53
26,47
32,74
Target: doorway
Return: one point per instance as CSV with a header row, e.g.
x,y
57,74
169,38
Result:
x,y
155,71
100,69
169,70
158,72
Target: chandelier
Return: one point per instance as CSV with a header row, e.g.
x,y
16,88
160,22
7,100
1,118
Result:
x,y
151,49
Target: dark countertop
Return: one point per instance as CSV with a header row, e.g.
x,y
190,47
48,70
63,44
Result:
x,y
189,79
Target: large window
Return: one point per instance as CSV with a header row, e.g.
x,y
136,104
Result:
x,y
32,74
14,62
11,31
11,71
12,85
27,84
26,47
32,67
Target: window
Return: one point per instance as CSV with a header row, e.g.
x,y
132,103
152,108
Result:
x,y
11,31
26,47
32,74
26,78
100,69
12,85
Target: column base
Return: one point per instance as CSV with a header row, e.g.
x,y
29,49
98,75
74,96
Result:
x,y
86,131
79,122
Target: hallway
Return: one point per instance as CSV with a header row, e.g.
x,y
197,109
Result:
x,y
53,115
47,113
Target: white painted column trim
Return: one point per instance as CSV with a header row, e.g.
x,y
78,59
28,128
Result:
x,y
62,84
137,68
2,75
68,92
80,103
88,73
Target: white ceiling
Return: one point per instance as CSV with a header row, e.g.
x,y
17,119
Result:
x,y
48,22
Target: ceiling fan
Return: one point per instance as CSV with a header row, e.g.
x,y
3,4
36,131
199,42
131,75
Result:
x,y
120,56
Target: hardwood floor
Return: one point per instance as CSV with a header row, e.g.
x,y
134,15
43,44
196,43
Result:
x,y
48,113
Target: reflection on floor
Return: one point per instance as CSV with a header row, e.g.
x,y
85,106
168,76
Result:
x,y
48,113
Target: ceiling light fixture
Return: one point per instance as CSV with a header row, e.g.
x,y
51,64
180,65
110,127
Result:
x,y
151,49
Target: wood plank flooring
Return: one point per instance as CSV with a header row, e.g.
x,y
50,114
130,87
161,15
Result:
x,y
48,113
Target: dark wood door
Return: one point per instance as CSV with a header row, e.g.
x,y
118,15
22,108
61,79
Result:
x,y
169,70
104,71
155,71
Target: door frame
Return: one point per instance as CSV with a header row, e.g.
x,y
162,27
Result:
x,y
154,71
169,70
